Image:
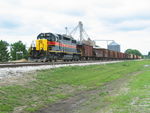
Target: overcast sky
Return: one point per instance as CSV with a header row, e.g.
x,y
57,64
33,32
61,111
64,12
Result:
x,y
125,21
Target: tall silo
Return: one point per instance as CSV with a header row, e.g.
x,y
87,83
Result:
x,y
114,46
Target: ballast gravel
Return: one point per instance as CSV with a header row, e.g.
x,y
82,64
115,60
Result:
x,y
20,71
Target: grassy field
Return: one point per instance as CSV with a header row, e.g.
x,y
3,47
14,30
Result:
x,y
137,98
129,81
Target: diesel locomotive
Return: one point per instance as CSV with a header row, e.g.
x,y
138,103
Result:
x,y
50,46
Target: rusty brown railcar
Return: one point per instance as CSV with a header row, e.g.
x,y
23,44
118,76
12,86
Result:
x,y
101,53
128,56
110,54
118,54
137,57
86,51
115,54
124,56
105,53
134,56
121,56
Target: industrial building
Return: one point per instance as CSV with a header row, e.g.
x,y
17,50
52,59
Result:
x,y
114,46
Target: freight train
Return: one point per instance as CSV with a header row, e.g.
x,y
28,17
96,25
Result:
x,y
53,47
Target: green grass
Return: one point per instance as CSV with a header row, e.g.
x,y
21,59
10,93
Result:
x,y
137,98
52,85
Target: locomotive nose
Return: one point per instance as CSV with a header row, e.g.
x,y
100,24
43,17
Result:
x,y
41,44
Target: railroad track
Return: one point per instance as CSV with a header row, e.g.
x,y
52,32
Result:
x,y
13,64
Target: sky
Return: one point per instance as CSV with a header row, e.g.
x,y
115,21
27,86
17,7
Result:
x,y
125,21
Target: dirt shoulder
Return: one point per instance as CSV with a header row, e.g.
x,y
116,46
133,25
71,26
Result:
x,y
91,101
18,80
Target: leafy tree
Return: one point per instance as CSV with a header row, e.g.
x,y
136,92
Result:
x,y
133,51
4,54
149,53
18,51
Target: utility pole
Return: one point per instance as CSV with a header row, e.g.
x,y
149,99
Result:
x,y
81,30
66,28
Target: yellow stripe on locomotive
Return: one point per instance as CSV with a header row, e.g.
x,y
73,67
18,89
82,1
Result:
x,y
41,44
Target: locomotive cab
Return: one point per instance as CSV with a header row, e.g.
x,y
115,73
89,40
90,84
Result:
x,y
48,36
46,42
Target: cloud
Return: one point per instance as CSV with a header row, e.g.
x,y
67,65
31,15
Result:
x,y
73,12
9,24
122,20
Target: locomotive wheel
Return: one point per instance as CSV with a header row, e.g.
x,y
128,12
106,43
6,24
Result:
x,y
49,60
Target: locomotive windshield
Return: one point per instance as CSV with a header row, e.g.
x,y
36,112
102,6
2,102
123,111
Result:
x,y
48,36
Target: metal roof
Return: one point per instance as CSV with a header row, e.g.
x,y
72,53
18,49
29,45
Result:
x,y
113,43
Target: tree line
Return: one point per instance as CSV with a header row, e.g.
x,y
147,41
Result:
x,y
14,51
147,56
17,50
134,52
